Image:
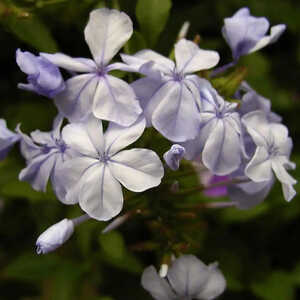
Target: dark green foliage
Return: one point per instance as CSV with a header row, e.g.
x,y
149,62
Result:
x,y
258,250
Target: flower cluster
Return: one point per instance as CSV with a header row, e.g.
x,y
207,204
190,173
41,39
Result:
x,y
240,141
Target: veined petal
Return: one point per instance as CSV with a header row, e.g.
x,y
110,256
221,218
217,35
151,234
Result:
x,y
81,65
137,169
215,284
259,168
258,127
156,286
187,276
280,171
38,171
106,32
76,101
222,150
161,62
69,174
144,89
190,58
118,137
176,115
288,191
276,32
100,194
78,139
116,101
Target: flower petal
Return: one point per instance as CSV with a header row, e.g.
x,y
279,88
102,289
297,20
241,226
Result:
x,y
100,194
106,32
222,150
144,89
75,102
276,32
81,65
137,169
115,101
215,284
156,286
27,62
69,174
190,58
118,137
38,171
187,275
78,138
176,115
259,168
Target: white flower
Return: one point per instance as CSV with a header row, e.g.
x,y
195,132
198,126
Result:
x,y
108,97
93,177
272,152
170,97
54,236
187,278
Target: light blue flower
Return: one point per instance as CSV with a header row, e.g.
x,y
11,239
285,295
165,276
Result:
x,y
44,153
170,97
7,139
93,178
220,141
95,90
173,156
273,148
246,34
187,278
43,77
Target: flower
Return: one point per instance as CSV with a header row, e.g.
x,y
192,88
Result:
x,y
94,177
273,148
108,97
246,34
187,278
174,156
43,77
219,139
54,236
44,152
7,139
170,96
251,101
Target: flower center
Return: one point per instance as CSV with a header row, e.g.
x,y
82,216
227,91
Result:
x,y
61,145
104,158
177,76
101,71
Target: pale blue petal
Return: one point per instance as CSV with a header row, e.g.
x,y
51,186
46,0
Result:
x,y
100,194
116,101
106,32
76,101
137,169
176,115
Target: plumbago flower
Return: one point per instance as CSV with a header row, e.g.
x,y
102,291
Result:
x,y
44,152
170,97
107,97
7,139
188,278
272,152
246,34
93,178
173,156
219,140
43,77
252,101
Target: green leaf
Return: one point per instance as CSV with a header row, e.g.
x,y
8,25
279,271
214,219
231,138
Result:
x,y
152,16
115,253
32,31
136,43
30,267
279,285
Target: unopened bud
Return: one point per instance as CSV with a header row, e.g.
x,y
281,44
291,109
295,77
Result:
x,y
54,236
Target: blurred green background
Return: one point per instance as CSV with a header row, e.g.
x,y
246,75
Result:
x,y
258,250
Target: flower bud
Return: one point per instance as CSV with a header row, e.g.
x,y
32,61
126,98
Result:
x,y
54,236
